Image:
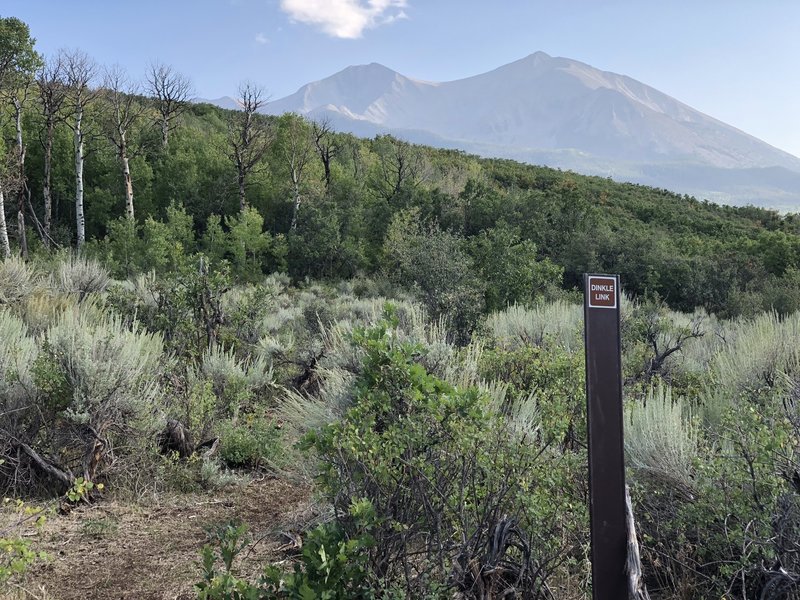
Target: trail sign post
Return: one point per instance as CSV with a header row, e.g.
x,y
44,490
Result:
x,y
604,411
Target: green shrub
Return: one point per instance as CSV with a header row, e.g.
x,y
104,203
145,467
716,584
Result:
x,y
512,268
710,501
435,462
548,380
16,550
434,265
184,305
250,443
243,243
229,540
195,473
330,566
160,246
235,383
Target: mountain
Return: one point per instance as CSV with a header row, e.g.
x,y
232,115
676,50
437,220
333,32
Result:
x,y
561,113
223,102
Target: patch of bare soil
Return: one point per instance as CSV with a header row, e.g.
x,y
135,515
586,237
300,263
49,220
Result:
x,y
111,550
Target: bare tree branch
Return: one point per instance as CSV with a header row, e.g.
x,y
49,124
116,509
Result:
x,y
326,146
171,92
123,112
249,135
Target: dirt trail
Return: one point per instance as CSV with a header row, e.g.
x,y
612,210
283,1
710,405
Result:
x,y
111,550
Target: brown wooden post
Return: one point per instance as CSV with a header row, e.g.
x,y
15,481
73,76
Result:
x,y
606,459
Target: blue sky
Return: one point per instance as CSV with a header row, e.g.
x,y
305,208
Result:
x,y
736,60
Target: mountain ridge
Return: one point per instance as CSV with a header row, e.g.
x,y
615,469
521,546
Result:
x,y
576,116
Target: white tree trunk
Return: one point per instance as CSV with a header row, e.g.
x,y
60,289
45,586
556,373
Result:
x,y
242,191
296,208
48,169
18,121
126,175
164,132
79,216
21,234
296,188
3,229
23,242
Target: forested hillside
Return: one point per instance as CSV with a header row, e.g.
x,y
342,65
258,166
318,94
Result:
x,y
325,202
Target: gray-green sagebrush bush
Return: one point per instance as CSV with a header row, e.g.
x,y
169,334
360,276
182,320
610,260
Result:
x,y
714,468
757,352
80,276
706,498
557,322
83,389
17,280
661,438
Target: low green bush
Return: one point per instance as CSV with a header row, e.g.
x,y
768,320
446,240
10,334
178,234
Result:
x,y
330,566
446,474
17,552
253,443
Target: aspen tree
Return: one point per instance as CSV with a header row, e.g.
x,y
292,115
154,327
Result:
x,y
122,114
80,69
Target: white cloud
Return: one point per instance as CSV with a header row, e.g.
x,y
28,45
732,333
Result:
x,y
261,38
344,18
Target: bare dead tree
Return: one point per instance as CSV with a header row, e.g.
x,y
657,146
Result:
x,y
52,86
80,70
296,148
400,165
249,136
123,112
171,92
326,146
666,341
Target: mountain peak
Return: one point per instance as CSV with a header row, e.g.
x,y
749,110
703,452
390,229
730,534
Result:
x,y
550,110
352,91
373,68
537,56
